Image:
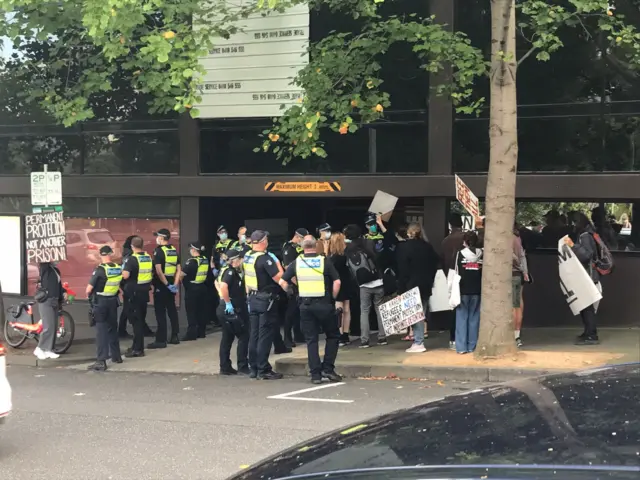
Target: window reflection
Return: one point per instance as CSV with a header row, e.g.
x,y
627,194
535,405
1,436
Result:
x,y
402,148
23,154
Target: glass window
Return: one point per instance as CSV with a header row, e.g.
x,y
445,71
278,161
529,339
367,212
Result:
x,y
132,153
15,205
24,154
85,236
402,148
138,207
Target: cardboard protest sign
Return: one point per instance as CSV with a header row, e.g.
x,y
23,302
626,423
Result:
x,y
383,204
577,287
466,197
401,312
45,237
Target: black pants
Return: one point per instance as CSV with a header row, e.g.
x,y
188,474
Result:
x,y
589,320
279,345
106,316
292,320
316,315
122,324
136,306
263,319
164,303
195,299
228,336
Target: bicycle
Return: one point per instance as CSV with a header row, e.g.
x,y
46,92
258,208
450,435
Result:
x,y
65,330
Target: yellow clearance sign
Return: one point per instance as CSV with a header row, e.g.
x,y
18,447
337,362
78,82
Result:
x,y
302,187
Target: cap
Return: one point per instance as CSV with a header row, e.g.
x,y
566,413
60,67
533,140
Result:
x,y
196,245
303,232
220,228
325,226
370,218
258,235
233,253
163,232
106,250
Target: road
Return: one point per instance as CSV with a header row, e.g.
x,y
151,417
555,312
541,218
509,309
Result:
x,y
78,425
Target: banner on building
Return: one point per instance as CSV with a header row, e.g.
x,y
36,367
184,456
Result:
x,y
45,237
577,287
401,312
466,197
251,73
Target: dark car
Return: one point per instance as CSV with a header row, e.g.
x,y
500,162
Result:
x,y
583,425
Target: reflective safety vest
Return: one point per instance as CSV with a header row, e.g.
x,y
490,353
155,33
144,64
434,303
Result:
x,y
170,260
377,236
222,246
249,268
310,275
114,278
145,266
203,270
223,270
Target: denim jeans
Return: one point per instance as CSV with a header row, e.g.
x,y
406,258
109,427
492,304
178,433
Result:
x,y
370,298
467,323
418,328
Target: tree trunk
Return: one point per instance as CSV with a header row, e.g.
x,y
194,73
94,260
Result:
x,y
2,311
496,324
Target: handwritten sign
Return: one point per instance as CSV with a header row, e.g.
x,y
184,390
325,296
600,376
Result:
x,y
466,197
401,312
577,287
45,237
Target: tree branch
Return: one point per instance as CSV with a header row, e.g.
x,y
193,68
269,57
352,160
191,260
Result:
x,y
526,55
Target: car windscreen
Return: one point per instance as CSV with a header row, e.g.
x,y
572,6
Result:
x,y
100,237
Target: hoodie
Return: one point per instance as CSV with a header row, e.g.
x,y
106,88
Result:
x,y
469,267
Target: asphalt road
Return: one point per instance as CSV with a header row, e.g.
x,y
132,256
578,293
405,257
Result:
x,y
79,425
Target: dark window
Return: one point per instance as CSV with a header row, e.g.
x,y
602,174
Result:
x,y
24,154
138,207
132,153
402,148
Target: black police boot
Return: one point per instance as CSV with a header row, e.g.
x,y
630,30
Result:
x,y
244,371
130,353
270,376
316,379
174,340
188,338
156,345
253,374
117,360
228,371
99,366
332,376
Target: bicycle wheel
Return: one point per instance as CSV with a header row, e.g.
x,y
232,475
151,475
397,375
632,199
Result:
x,y
65,332
14,338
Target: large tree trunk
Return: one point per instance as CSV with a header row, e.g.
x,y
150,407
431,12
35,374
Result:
x,y
2,312
496,323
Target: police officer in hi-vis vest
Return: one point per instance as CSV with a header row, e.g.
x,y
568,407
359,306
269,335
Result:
x,y
261,276
137,273
318,285
194,276
218,255
166,280
103,289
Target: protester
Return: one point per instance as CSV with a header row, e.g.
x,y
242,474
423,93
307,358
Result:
x,y
519,275
417,265
335,253
451,245
51,284
469,266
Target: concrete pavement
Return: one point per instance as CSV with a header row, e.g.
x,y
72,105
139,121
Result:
x,y
78,425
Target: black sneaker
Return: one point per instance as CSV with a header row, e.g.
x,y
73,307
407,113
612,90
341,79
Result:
x,y
364,344
332,376
519,342
270,376
228,371
344,340
253,374
316,380
117,360
133,353
283,351
383,341
588,340
188,338
174,340
98,367
244,371
156,345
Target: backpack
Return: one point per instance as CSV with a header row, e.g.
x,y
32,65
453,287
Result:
x,y
362,267
603,262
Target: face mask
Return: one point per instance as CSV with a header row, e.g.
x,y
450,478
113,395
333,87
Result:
x,y
243,239
327,235
373,229
347,240
223,236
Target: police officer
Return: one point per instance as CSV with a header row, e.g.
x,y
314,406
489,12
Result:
x,y
374,234
166,279
137,273
102,291
218,254
261,276
233,311
290,251
194,276
319,285
122,327
243,245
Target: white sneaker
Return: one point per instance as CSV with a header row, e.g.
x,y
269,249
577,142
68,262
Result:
x,y
52,355
452,345
415,348
40,354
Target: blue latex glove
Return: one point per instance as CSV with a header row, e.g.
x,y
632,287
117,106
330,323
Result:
x,y
172,288
215,272
228,309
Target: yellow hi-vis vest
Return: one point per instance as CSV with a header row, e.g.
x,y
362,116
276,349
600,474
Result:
x,y
310,275
114,278
249,268
170,260
203,270
144,267
223,270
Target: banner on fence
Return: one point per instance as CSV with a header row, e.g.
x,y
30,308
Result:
x,y
401,312
45,237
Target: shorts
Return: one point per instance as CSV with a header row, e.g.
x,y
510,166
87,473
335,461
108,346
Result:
x,y
516,284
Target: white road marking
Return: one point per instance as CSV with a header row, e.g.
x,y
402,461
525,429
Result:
x,y
290,395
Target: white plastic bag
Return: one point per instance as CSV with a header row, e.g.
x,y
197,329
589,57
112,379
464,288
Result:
x,y
439,300
453,282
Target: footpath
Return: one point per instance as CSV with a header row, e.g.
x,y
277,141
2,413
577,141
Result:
x,y
546,350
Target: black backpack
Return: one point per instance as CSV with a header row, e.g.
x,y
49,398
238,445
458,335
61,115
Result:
x,y
362,267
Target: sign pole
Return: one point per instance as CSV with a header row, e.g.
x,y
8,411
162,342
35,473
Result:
x,y
46,184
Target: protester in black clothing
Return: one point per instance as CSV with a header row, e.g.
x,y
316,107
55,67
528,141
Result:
x,y
347,294
586,249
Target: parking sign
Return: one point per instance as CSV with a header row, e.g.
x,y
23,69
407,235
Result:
x,y
46,188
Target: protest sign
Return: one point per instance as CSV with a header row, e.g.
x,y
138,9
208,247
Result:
x,y
45,237
401,312
383,204
466,197
577,287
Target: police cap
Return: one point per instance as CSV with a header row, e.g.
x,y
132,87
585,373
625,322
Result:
x,y
163,232
196,246
232,254
221,228
324,227
106,250
259,235
303,232
370,219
